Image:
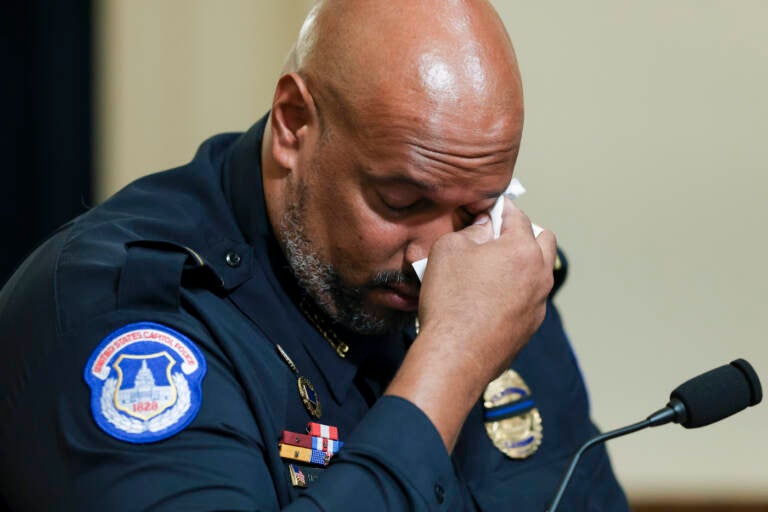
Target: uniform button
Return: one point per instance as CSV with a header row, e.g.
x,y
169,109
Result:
x,y
233,259
439,493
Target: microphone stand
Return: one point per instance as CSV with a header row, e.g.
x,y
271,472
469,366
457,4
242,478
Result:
x,y
674,411
586,446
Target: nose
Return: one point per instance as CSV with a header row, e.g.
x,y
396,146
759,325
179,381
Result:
x,y
423,235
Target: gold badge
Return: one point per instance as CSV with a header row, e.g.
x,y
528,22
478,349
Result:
x,y
511,419
309,397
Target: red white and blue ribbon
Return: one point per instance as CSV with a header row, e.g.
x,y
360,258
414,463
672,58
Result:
x,y
320,430
327,445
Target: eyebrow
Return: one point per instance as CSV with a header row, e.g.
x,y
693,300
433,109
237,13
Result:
x,y
406,180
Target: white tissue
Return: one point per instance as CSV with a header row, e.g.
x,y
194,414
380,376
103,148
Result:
x,y
513,191
420,267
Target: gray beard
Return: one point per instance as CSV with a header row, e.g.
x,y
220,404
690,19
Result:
x,y
344,304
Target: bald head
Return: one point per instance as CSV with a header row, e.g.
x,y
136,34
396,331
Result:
x,y
446,58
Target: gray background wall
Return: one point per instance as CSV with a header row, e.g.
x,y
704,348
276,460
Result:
x,y
643,150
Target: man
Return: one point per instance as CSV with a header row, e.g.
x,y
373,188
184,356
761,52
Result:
x,y
175,347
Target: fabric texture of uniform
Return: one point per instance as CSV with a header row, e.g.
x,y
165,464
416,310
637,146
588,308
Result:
x,y
191,249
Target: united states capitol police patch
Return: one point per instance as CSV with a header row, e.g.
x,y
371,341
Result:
x,y
145,382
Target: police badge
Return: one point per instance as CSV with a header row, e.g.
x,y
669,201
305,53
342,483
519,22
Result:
x,y
512,420
145,382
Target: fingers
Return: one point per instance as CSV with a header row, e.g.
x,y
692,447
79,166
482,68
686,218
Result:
x,y
517,223
514,222
548,243
480,231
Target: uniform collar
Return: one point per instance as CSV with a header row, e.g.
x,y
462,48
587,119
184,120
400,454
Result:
x,y
242,183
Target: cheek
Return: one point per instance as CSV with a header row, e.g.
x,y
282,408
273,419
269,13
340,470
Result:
x,y
344,227
373,241
359,240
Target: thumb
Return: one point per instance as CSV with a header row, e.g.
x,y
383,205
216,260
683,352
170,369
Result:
x,y
480,231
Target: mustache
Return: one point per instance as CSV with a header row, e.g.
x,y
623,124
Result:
x,y
392,277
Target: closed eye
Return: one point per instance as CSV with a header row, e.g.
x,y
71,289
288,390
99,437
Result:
x,y
404,209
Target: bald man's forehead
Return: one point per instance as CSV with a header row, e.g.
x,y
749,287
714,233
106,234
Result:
x,y
454,138
441,114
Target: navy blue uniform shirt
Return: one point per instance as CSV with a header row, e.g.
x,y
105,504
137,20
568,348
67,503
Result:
x,y
190,253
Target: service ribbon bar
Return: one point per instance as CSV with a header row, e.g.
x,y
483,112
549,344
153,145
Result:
x,y
327,445
295,439
320,457
320,430
300,454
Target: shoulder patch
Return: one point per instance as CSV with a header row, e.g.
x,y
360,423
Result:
x,y
145,382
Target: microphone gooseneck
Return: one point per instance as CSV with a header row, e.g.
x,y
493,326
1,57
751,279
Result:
x,y
586,446
700,401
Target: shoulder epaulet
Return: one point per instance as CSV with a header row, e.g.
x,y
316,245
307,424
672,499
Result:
x,y
152,274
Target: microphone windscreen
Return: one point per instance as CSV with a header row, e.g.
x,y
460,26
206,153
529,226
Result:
x,y
719,393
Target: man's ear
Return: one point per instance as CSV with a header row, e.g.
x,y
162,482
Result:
x,y
294,116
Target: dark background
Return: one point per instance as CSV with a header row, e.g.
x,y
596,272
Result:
x,y
47,124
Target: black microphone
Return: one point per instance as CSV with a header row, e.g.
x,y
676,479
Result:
x,y
700,401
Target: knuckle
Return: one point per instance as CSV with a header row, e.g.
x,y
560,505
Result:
x,y
548,280
519,215
549,238
447,243
440,245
